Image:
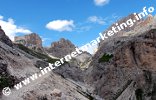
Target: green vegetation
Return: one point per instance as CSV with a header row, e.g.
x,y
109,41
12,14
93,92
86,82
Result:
x,y
139,94
5,82
105,58
36,54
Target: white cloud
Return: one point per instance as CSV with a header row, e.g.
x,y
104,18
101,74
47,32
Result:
x,y
95,19
93,49
11,29
1,17
104,20
101,2
61,25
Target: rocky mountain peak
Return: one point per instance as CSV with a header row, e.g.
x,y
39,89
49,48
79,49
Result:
x,y
61,48
63,43
31,40
125,19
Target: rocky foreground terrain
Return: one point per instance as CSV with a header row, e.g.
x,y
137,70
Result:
x,y
18,62
123,68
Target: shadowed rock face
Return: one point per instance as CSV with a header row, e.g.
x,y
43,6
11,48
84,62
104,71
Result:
x,y
131,69
72,69
6,79
4,38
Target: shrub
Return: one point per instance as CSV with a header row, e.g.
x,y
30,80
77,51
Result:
x,y
5,82
105,57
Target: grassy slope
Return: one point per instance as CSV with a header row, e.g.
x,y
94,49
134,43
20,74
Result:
x,y
36,54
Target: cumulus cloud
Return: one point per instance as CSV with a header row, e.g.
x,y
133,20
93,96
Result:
x,y
95,19
101,2
61,25
11,29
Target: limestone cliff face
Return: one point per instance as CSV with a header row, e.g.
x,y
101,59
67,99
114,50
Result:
x,y
32,41
130,73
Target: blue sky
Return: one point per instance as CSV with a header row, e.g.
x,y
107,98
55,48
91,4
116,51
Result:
x,y
80,21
